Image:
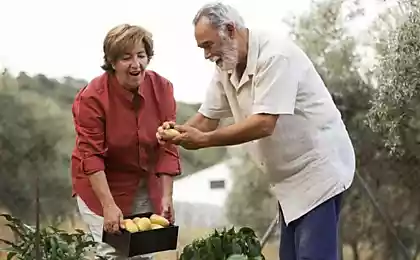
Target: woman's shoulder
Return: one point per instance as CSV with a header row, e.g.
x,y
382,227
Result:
x,y
95,88
157,79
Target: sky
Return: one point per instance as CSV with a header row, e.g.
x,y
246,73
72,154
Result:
x,y
64,38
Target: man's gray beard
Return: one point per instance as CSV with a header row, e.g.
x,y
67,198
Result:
x,y
230,54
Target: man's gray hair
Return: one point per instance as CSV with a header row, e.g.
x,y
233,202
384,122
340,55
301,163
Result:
x,y
219,15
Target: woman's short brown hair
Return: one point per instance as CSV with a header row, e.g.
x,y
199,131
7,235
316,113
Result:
x,y
123,38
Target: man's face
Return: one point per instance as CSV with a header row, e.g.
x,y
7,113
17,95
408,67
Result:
x,y
219,46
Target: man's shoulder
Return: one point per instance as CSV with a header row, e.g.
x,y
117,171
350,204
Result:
x,y
276,44
271,41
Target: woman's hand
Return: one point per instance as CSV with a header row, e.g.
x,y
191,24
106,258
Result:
x,y
168,209
166,132
113,219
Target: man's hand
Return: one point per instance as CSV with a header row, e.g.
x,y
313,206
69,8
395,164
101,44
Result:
x,y
113,219
161,135
168,209
190,137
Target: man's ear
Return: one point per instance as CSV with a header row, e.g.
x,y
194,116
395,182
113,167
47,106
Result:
x,y
230,28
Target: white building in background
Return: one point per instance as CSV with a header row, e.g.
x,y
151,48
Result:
x,y
199,198
208,186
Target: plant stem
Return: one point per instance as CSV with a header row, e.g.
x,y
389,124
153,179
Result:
x,y
38,238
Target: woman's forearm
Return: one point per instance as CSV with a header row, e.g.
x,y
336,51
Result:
x,y
167,185
101,189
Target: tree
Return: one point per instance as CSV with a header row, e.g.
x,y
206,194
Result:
x,y
395,105
394,114
29,145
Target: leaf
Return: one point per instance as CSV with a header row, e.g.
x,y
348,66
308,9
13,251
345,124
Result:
x,y
8,217
236,248
13,246
54,247
202,252
79,231
187,253
256,258
7,242
247,232
56,230
19,230
217,247
216,234
237,257
10,255
254,247
231,231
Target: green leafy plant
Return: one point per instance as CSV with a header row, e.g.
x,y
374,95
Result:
x,y
225,245
55,244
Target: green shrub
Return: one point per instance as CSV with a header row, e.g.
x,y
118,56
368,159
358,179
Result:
x,y
55,244
225,245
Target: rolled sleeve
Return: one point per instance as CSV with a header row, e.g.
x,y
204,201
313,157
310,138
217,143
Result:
x,y
92,164
215,105
89,124
168,162
168,158
276,86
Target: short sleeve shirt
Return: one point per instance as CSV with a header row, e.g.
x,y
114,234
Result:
x,y
309,158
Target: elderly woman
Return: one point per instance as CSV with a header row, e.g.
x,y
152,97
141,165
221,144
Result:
x,y
118,167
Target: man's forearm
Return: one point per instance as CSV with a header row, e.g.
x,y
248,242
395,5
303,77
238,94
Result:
x,y
101,189
167,185
202,123
253,128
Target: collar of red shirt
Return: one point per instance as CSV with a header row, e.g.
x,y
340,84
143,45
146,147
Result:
x,y
129,95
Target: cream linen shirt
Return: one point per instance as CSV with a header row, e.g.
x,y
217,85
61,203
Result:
x,y
309,158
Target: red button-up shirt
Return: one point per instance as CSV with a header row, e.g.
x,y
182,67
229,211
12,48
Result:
x,y
116,133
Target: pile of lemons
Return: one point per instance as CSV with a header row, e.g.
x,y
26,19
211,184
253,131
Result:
x,y
143,224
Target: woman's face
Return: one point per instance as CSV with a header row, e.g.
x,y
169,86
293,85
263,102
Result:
x,y
130,68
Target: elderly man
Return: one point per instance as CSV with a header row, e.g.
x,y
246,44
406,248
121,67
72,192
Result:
x,y
286,118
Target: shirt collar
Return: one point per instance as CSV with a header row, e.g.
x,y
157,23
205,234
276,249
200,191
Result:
x,y
127,94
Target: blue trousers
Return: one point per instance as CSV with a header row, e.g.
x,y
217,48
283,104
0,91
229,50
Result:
x,y
313,236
